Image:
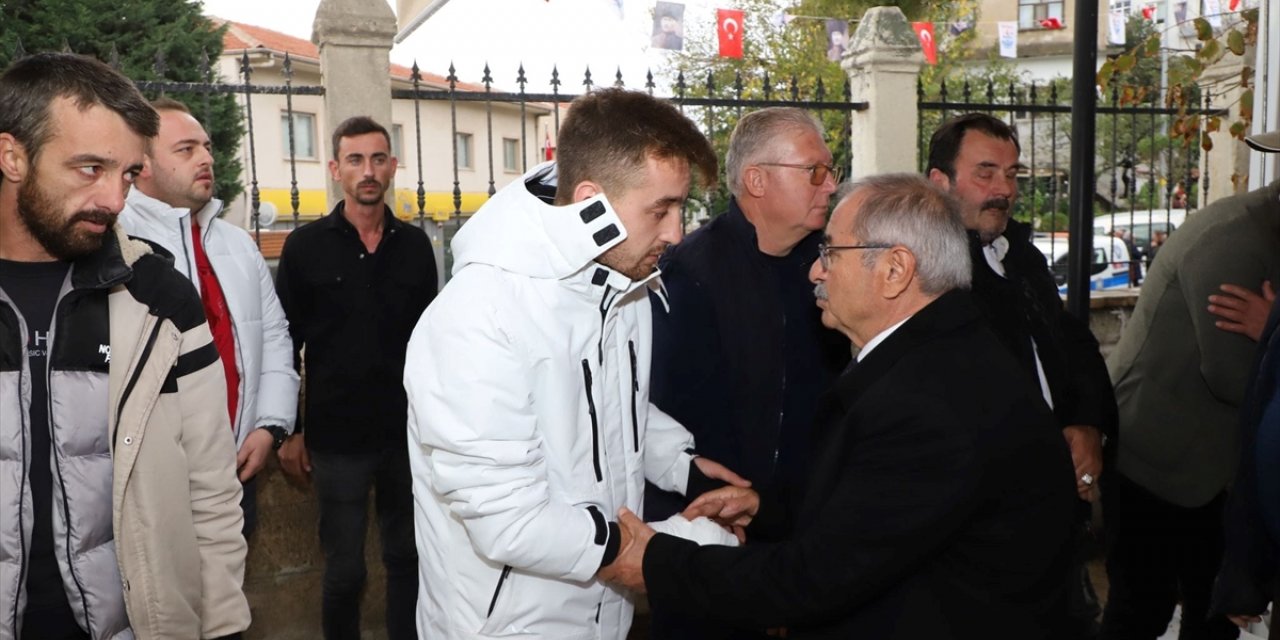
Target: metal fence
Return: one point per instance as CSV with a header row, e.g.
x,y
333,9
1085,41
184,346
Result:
x,y
712,104
1145,183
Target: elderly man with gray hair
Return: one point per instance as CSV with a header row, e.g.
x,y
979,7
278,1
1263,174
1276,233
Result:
x,y
940,500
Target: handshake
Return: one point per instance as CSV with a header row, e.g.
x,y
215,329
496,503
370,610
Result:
x,y
731,507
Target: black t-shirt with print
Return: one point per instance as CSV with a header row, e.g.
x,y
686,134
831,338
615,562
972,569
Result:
x,y
33,287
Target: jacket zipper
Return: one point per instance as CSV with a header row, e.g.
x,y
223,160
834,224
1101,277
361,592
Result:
x,y
506,571
57,467
22,485
595,424
133,379
635,392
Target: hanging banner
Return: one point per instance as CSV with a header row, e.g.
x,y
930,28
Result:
x,y
1008,39
837,36
668,26
1115,28
729,29
929,45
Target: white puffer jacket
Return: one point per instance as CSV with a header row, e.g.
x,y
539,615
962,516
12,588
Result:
x,y
530,424
264,350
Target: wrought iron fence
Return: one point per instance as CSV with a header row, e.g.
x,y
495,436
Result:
x,y
1145,183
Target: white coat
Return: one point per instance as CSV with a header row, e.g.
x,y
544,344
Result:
x,y
264,350
530,423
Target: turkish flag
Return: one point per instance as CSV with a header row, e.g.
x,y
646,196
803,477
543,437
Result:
x,y
1051,23
547,148
729,28
1149,12
924,31
1235,4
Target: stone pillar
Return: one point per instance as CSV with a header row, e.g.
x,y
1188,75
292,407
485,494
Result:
x,y
1227,164
883,61
354,37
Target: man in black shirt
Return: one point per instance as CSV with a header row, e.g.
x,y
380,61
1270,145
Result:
x,y
743,372
352,285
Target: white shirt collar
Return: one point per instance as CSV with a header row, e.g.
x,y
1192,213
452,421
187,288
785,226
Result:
x,y
880,337
995,253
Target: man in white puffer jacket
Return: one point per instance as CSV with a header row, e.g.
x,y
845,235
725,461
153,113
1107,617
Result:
x,y
528,382
172,205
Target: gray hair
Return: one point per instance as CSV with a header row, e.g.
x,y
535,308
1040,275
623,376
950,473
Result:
x,y
907,209
753,137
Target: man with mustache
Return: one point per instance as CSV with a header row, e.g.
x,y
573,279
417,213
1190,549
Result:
x,y
975,157
119,506
172,205
352,285
743,372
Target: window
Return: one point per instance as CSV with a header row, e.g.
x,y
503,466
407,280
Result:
x,y
462,149
511,155
397,142
1031,12
304,135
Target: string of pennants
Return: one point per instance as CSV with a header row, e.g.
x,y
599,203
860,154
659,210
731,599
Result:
x,y
668,28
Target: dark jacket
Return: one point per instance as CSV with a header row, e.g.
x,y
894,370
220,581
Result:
x,y
722,349
939,506
1025,305
353,311
1247,582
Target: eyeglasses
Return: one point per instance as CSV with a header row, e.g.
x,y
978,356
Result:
x,y
817,172
825,251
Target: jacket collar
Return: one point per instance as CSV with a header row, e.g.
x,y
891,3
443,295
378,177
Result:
x,y
947,313
111,264
161,212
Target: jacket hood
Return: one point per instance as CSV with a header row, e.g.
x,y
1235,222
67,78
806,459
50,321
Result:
x,y
521,231
159,211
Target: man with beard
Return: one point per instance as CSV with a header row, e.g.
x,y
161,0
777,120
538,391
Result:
x,y
119,510
352,285
172,205
975,157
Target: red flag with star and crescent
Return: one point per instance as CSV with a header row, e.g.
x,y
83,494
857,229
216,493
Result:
x,y
729,28
924,31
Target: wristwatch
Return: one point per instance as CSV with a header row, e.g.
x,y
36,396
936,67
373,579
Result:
x,y
278,435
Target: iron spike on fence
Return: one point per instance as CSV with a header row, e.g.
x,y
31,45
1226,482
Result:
x,y
767,85
521,80
820,90
681,87
737,84
452,77
415,76
795,89
487,79
586,80
648,81
711,83
617,79
555,80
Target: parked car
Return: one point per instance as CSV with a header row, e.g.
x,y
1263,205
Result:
x,y
1142,225
1111,260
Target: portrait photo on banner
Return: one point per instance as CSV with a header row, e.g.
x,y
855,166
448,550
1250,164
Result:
x,y
668,26
837,36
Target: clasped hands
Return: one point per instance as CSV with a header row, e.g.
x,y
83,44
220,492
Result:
x,y
732,507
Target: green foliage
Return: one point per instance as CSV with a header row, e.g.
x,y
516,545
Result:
x,y
134,35
1186,75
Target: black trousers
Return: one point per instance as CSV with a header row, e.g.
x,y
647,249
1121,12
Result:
x,y
1157,554
343,482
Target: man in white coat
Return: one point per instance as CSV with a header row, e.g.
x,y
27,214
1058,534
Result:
x,y
172,205
528,382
